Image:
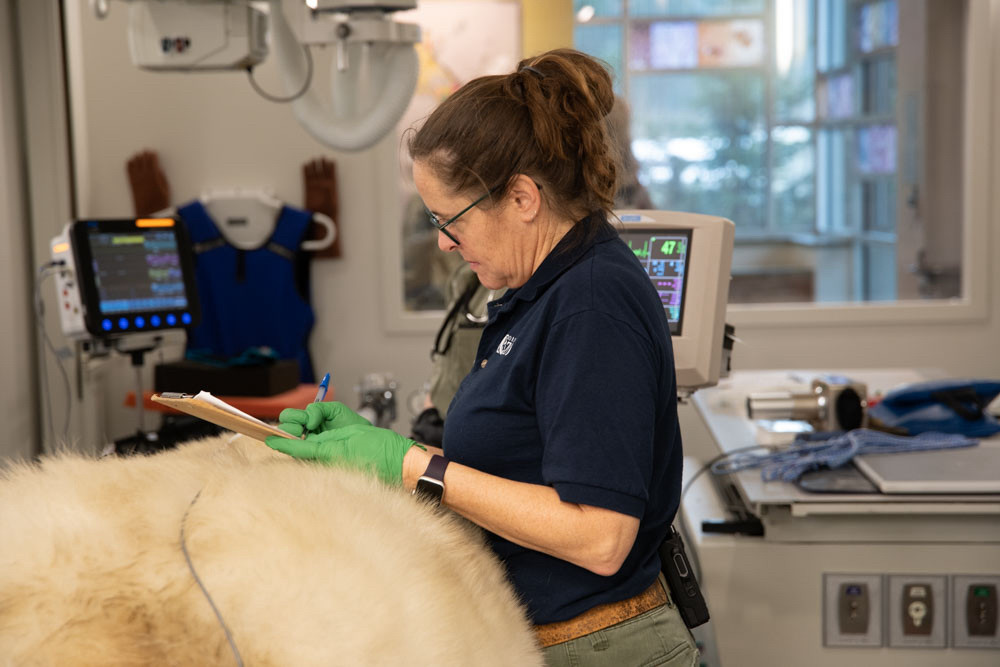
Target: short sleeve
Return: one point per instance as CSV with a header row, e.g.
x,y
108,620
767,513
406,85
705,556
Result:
x,y
596,404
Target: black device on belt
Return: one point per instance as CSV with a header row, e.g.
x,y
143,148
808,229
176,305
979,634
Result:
x,y
683,586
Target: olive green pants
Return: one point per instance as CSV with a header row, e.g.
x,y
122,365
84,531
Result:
x,y
657,637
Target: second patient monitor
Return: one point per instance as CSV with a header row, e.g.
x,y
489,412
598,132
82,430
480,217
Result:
x,y
688,258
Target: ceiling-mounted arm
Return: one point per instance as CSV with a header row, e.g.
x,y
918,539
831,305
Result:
x,y
371,83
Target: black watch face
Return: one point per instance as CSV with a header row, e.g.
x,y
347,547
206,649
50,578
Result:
x,y
431,489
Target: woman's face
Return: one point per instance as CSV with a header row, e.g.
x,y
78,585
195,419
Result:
x,y
485,238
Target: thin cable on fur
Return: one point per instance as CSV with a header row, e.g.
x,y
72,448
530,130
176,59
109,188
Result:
x,y
218,614
291,98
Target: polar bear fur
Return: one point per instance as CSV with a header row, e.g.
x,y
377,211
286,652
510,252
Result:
x,y
307,564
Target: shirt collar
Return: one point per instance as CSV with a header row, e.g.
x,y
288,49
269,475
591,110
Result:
x,y
562,257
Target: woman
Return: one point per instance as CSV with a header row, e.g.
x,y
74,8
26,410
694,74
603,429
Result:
x,y
563,440
458,336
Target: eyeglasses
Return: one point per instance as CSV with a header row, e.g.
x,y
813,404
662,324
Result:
x,y
440,226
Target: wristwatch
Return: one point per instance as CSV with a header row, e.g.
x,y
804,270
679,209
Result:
x,y
431,483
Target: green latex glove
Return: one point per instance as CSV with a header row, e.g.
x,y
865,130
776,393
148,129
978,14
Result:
x,y
360,446
318,418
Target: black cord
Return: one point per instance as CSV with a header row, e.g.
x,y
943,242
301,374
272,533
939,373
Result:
x,y
218,614
291,98
44,272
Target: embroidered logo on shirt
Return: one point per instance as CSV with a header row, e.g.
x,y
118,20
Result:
x,y
505,345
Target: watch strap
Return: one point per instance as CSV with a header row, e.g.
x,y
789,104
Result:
x,y
436,468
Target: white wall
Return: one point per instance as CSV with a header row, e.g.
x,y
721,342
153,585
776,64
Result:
x,y
17,391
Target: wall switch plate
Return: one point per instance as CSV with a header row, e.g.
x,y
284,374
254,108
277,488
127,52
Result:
x,y
917,605
852,609
975,604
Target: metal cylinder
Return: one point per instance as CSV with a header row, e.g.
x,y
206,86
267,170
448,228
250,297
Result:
x,y
784,405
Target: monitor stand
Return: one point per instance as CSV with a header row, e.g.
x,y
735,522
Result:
x,y
143,441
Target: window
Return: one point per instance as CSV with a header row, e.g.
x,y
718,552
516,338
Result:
x,y
811,125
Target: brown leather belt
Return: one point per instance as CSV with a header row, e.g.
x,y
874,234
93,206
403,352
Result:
x,y
601,616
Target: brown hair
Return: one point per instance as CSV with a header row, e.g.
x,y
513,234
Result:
x,y
546,120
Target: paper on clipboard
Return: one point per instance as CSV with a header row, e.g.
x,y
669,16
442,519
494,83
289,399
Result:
x,y
214,410
222,405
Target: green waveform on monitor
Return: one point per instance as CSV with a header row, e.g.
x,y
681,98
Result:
x,y
641,253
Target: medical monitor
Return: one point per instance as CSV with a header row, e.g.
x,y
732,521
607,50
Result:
x,y
125,276
687,257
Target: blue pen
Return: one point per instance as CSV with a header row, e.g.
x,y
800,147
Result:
x,y
320,395
323,386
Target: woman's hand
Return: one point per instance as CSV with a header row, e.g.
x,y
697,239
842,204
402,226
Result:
x,y
360,446
318,418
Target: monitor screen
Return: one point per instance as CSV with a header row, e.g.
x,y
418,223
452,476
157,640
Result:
x,y
137,271
663,254
134,275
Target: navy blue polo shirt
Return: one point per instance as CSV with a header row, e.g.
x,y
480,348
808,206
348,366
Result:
x,y
574,387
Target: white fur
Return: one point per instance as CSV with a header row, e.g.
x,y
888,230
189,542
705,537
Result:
x,y
308,565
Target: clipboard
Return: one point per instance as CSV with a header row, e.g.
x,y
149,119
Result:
x,y
205,406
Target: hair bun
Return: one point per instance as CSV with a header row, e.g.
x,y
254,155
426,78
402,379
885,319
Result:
x,y
576,72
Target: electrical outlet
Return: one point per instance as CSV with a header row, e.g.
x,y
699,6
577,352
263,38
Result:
x,y
917,606
918,609
974,620
852,609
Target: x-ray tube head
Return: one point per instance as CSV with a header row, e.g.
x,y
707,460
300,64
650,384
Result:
x,y
373,77
170,36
